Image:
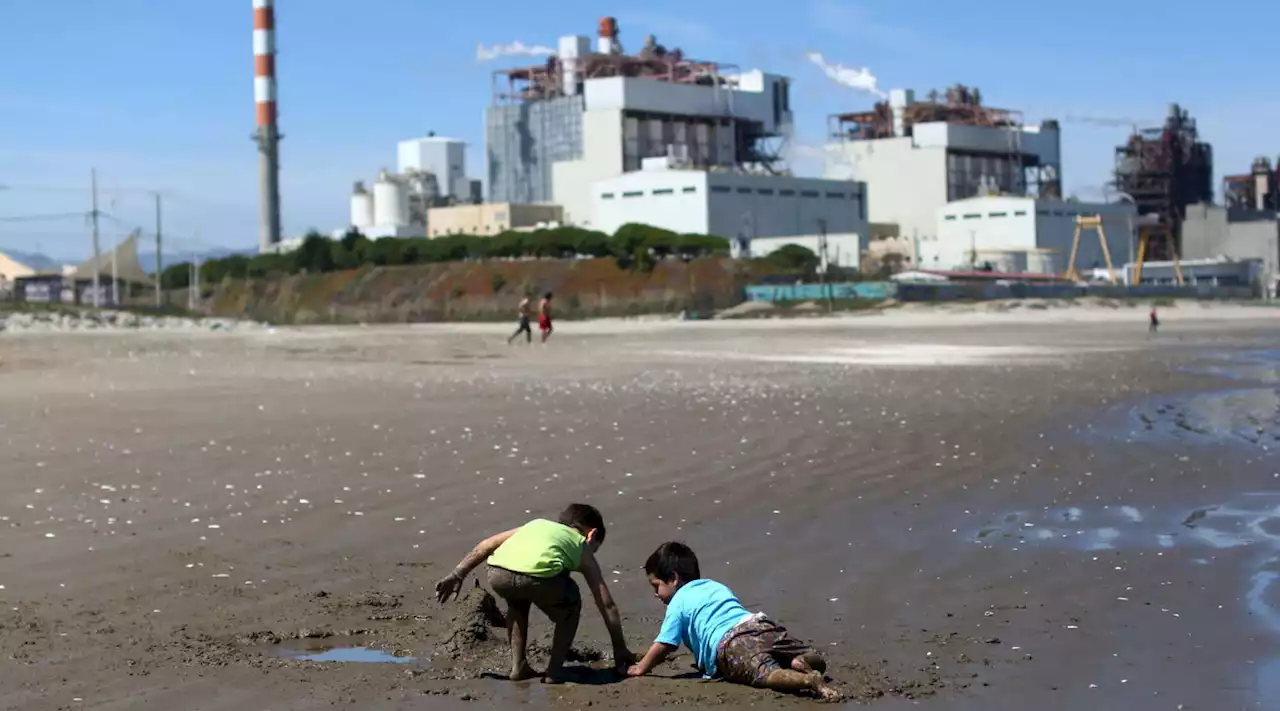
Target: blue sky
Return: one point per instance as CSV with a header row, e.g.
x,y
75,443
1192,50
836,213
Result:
x,y
158,94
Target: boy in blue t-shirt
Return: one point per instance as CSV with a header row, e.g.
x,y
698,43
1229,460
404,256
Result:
x,y
728,642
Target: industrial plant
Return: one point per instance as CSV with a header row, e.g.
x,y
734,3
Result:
x,y
592,135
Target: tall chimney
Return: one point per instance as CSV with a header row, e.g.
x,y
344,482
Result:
x,y
267,135
608,36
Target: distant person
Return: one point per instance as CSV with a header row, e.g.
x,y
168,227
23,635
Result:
x,y
544,316
530,565
727,641
1155,322
524,313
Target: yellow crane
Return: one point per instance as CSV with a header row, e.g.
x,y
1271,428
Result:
x,y
1146,235
1089,222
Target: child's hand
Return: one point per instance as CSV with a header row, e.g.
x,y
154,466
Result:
x,y
448,587
635,670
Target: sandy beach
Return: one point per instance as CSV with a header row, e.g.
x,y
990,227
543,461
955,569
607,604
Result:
x,y
985,510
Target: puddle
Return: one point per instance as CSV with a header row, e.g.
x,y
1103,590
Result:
x,y
1245,411
335,649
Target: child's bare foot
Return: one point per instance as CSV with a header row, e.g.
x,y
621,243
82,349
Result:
x,y
523,674
809,662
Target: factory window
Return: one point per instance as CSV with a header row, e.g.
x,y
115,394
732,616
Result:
x,y
1057,213
973,216
606,196
633,193
1042,212
663,191
997,214
719,188
787,193
809,193
744,191
836,196
765,191
949,217
1020,213
689,189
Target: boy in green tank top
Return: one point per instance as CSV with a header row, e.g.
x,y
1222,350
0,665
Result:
x,y
530,565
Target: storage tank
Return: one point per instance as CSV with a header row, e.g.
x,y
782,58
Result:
x,y
390,202
361,207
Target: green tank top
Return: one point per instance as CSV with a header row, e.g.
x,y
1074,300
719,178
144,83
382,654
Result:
x,y
541,548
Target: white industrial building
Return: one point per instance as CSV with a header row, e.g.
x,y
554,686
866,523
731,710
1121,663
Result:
x,y
581,125
1026,235
444,158
757,213
917,156
431,172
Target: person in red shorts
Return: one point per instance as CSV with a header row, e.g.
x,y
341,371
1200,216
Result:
x,y
544,316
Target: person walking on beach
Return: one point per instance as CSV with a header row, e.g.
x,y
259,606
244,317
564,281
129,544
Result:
x,y
1155,322
544,317
524,316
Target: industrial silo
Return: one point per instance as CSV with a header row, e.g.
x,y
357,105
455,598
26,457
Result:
x,y
361,207
390,202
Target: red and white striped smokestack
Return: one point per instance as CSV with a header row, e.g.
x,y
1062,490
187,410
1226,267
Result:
x,y
264,61
268,134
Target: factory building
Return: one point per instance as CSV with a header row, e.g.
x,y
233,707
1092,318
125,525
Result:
x,y
431,172
917,156
1164,170
756,212
1234,233
1025,235
443,158
491,218
557,128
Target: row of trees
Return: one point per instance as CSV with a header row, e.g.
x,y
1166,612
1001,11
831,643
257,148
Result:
x,y
633,246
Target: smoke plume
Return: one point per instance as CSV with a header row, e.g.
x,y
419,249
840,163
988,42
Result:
x,y
515,49
852,77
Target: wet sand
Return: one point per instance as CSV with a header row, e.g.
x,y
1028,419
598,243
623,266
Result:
x,y
994,511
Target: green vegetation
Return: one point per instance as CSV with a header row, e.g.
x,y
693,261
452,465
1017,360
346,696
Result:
x,y
634,246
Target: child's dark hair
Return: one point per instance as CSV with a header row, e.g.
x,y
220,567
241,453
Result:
x,y
673,560
583,516
547,295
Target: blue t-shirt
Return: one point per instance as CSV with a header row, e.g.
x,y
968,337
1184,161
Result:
x,y
700,614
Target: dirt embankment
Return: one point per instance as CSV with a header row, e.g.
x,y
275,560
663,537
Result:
x,y
484,290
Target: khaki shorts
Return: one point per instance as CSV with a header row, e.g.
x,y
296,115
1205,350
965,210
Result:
x,y
557,597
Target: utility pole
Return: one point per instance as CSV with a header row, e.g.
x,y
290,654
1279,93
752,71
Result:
x,y
823,264
159,261
97,253
115,278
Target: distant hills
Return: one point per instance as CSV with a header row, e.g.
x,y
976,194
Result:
x,y
39,262
42,262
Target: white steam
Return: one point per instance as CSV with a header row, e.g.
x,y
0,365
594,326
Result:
x,y
852,77
515,49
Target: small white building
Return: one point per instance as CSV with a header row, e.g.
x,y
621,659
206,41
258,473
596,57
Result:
x,y
740,207
1026,235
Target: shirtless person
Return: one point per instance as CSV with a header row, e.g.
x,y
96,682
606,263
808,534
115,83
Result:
x,y
544,316
524,314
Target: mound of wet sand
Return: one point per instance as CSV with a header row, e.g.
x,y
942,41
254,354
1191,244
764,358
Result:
x,y
478,622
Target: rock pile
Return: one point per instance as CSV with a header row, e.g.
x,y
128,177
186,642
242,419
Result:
x,y
88,320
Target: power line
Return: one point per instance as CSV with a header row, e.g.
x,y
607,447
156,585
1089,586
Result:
x,y
50,216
